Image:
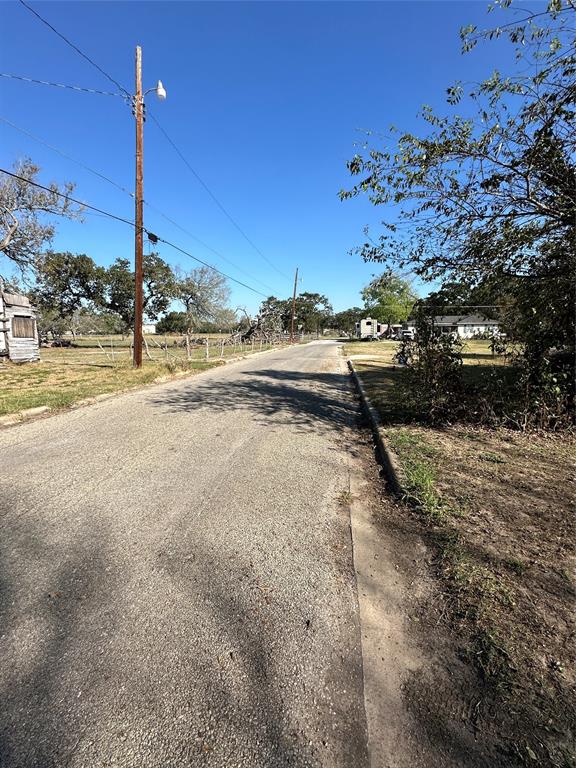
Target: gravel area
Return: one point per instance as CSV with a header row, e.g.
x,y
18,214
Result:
x,y
176,577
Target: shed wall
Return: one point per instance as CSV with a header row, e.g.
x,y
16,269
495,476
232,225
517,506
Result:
x,y
20,350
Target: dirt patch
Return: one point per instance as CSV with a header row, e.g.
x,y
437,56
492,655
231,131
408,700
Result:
x,y
431,693
498,509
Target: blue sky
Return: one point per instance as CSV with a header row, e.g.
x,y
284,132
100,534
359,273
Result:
x,y
265,99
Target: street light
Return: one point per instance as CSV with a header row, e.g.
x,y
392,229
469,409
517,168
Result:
x,y
159,89
138,106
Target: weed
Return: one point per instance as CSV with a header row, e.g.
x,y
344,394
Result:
x,y
518,566
420,478
345,498
491,657
494,458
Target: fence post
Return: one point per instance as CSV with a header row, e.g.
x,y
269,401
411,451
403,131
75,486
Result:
x,y
206,342
222,348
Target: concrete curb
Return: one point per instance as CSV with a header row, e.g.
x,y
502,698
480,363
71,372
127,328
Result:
x,y
12,419
20,416
388,459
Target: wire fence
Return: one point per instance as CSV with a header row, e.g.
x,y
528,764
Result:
x,y
180,351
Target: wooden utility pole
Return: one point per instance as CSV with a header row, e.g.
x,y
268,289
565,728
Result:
x,y
138,218
293,308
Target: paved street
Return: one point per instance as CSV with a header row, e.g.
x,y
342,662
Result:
x,y
176,576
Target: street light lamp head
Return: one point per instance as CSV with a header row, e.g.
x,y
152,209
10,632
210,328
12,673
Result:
x,y
160,91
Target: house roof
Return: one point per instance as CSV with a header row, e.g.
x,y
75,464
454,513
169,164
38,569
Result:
x,y
16,300
463,320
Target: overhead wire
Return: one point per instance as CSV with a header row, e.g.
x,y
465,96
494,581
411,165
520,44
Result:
x,y
215,199
66,197
131,194
60,85
75,47
129,97
151,235
186,253
65,155
205,245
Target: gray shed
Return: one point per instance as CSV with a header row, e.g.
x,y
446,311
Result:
x,y
18,329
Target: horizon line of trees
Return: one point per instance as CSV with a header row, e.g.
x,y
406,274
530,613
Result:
x,y
73,293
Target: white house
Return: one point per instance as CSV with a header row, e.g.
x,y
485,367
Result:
x,y
149,328
18,329
370,328
465,326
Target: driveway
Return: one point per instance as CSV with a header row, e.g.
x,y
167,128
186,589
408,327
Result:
x,y
176,578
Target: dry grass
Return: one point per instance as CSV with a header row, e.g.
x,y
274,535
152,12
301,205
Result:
x,y
59,382
499,507
66,375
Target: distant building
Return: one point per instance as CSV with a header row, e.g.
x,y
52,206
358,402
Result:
x,y
465,326
18,328
149,328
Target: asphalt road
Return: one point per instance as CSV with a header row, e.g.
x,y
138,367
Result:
x,y
176,579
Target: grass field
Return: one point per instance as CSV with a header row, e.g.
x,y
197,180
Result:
x,y
497,506
99,365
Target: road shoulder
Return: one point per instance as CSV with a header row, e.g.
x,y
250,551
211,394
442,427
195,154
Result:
x,y
388,652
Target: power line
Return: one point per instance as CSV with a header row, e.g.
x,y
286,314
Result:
x,y
205,245
65,155
215,199
463,306
60,85
65,197
131,194
129,96
186,253
151,235
75,47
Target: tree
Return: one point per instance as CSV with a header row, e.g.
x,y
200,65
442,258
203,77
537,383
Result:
x,y
203,292
87,320
275,314
389,298
491,197
159,288
65,282
313,310
224,319
24,214
50,322
173,322
346,320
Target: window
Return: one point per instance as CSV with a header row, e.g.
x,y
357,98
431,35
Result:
x,y
23,327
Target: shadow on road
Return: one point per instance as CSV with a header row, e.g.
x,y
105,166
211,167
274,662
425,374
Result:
x,y
189,678
46,607
310,401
